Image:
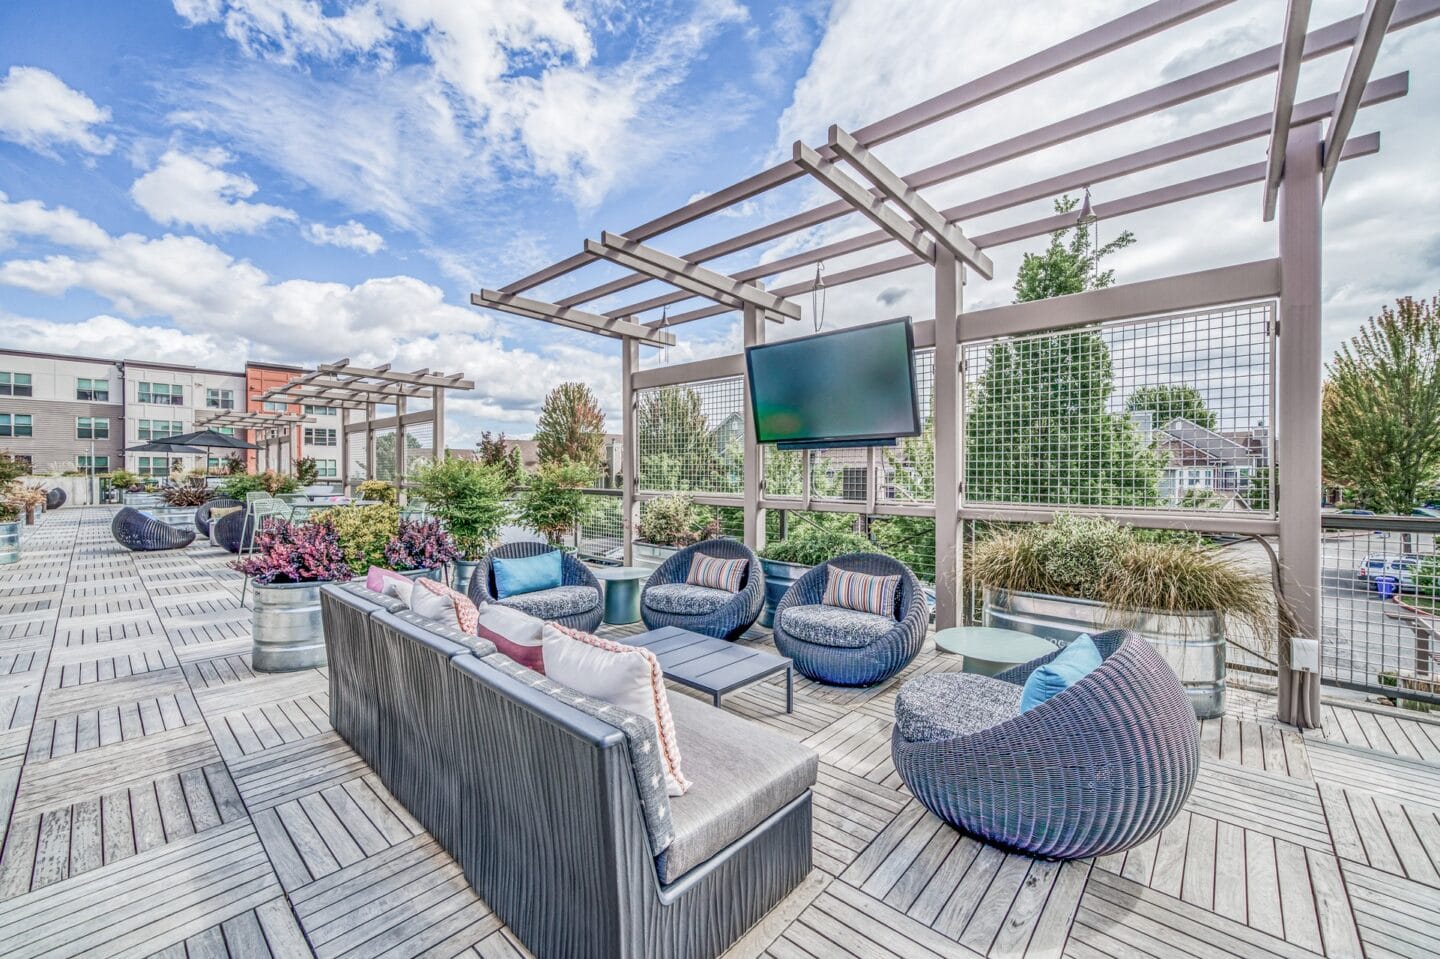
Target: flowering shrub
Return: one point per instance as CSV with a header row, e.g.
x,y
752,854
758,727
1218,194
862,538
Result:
x,y
295,553
422,544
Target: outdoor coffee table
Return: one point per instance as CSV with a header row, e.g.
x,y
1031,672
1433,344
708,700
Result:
x,y
714,666
622,592
989,650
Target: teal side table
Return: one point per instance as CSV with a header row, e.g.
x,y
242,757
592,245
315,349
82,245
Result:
x,y
622,592
989,650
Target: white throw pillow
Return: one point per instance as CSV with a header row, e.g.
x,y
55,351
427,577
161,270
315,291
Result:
x,y
516,634
625,676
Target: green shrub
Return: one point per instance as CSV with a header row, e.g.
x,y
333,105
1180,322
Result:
x,y
813,547
378,490
363,532
267,482
553,502
675,520
469,497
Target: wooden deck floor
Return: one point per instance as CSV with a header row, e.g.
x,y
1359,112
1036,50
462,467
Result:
x,y
159,797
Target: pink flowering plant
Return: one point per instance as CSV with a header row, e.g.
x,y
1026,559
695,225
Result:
x,y
421,544
288,552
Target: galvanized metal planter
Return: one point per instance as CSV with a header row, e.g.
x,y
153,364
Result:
x,y
437,573
464,572
286,632
650,555
779,577
1193,644
9,543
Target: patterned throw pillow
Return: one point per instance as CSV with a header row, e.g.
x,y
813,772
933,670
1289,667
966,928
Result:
x,y
861,591
626,676
514,633
716,573
439,602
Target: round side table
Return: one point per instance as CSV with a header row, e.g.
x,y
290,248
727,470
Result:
x,y
989,650
622,592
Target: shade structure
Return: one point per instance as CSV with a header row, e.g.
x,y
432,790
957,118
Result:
x,y
209,439
171,448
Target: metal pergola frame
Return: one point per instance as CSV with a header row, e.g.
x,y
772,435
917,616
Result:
x,y
1294,176
271,432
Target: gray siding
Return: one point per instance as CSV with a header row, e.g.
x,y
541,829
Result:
x,y
54,443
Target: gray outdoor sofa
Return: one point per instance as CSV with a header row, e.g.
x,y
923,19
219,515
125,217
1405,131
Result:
x,y
541,798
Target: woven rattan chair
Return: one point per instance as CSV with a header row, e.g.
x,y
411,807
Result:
x,y
878,659
483,590
134,530
729,620
55,498
233,530
202,514
1094,770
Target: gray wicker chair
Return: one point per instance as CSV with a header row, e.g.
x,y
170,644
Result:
x,y
202,513
729,620
55,498
1094,770
877,660
134,530
232,531
482,586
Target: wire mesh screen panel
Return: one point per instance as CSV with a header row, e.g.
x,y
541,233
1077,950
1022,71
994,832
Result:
x,y
419,444
600,534
691,437
384,446
908,469
1171,412
355,450
1380,615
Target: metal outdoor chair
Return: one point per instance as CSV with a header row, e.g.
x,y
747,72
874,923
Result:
x,y
258,508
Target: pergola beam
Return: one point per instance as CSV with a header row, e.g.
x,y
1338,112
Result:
x,y
746,293
907,198
571,318
1373,26
861,200
680,280
1292,54
424,377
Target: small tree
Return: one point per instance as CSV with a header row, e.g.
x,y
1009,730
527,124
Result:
x,y
1070,264
677,448
469,497
494,451
571,427
1168,402
553,502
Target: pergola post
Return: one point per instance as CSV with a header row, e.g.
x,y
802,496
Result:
x,y
947,427
369,441
437,435
1297,415
400,450
629,453
343,467
754,473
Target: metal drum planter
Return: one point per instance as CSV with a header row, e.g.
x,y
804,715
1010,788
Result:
x,y
9,543
436,573
779,577
464,572
1192,644
286,631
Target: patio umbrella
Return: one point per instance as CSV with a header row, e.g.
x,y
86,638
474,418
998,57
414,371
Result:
x,y
209,439
171,448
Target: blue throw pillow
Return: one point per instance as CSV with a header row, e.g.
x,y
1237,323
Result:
x,y
527,574
1074,663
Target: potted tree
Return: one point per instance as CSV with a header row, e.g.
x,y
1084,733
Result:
x,y
26,500
421,549
469,498
1081,574
552,501
290,563
786,560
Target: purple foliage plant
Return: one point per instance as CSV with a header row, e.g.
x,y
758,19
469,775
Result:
x,y
421,544
288,552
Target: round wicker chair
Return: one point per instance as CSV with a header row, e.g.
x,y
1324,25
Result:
x,y
134,530
877,660
1094,770
202,513
730,620
55,498
482,584
230,531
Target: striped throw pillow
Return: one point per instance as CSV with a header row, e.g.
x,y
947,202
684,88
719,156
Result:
x,y
716,573
861,591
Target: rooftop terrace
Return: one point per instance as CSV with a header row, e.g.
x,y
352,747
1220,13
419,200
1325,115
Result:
x,y
159,797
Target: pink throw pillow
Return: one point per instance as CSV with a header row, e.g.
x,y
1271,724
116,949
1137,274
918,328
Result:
x,y
387,582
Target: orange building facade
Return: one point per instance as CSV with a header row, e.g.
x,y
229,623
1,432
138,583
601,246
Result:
x,y
259,378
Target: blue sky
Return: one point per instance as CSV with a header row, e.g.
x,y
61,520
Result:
x,y
209,180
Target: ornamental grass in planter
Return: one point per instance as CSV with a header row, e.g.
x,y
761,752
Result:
x,y
290,563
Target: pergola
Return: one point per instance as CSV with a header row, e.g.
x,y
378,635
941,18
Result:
x,y
348,388
269,431
1305,143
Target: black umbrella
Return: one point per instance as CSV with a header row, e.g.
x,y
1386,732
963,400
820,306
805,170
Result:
x,y
171,448
210,439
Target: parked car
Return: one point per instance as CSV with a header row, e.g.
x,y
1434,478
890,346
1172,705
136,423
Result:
x,y
1356,512
1426,511
1402,568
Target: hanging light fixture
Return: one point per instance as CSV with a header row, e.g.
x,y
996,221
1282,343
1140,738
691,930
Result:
x,y
1088,220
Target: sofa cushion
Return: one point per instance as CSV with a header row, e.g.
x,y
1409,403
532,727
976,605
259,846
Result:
x,y
685,599
626,676
555,603
833,626
716,572
515,634
386,601
940,706
849,589
389,583
439,602
527,574
1076,661
743,773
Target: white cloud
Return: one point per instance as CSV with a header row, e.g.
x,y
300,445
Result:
x,y
351,235
285,30
38,111
58,225
121,338
193,189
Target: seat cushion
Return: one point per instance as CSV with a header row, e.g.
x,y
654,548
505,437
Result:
x,y
527,574
686,599
742,773
940,706
555,602
833,626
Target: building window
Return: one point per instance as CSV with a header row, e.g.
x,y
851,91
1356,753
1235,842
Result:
x,y
227,430
164,394
320,411
328,469
314,436
159,429
93,464
275,406
92,391
220,399
156,467
15,384
16,424
92,428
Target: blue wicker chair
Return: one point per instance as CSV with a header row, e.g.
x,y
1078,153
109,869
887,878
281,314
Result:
x,y
55,498
564,605
862,664
202,514
233,530
134,530
725,621
1094,770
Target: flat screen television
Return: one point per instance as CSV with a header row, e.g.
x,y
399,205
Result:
x,y
850,387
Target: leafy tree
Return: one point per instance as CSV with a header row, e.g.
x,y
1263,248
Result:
x,y
307,470
1381,408
494,451
553,501
1256,493
469,497
1170,401
1070,264
571,427
385,465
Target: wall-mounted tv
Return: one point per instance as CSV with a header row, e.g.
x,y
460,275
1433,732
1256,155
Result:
x,y
849,387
